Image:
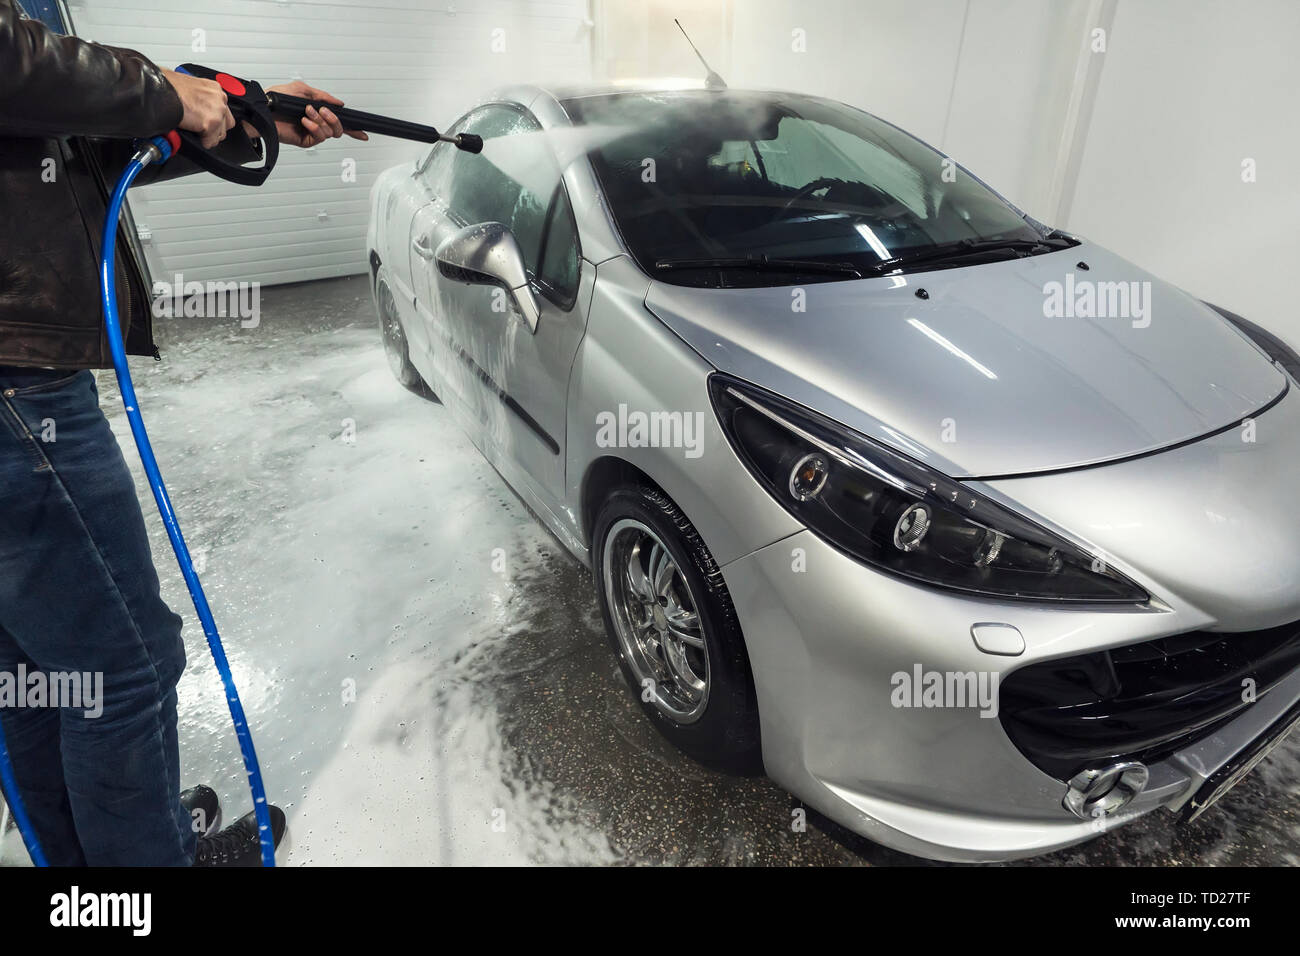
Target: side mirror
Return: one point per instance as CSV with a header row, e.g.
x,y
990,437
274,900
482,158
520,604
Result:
x,y
489,254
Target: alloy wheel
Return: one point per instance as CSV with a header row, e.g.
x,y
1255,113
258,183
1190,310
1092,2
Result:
x,y
657,620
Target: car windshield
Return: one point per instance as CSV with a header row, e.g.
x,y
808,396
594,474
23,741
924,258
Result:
x,y
723,188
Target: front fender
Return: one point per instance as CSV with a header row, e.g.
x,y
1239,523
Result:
x,y
630,363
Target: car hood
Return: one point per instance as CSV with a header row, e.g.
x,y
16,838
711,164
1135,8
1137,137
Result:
x,y
963,369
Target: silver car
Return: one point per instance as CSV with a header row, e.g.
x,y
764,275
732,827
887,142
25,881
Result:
x,y
974,536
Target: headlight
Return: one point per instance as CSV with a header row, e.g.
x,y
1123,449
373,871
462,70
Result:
x,y
898,515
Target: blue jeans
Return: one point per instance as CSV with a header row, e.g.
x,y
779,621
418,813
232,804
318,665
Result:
x,y
79,595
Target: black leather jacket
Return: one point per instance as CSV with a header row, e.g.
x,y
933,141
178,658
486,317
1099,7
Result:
x,y
69,111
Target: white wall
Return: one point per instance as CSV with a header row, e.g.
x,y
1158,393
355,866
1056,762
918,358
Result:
x,y
1011,102
638,39
424,60
1189,89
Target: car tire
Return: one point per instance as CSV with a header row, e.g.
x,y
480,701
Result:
x,y
396,348
653,622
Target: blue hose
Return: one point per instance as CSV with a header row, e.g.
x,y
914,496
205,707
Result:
x,y
16,806
159,150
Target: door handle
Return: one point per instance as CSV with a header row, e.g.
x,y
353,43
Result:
x,y
421,250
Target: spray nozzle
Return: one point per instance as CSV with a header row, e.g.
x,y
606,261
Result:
x,y
468,142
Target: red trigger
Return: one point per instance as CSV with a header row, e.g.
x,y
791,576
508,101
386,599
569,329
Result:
x,y
231,85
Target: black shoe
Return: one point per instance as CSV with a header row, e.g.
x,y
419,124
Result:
x,y
204,809
237,844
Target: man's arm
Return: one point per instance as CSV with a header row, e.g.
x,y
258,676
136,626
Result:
x,y
53,85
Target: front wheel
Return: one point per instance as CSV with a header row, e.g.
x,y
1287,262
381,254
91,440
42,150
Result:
x,y
671,622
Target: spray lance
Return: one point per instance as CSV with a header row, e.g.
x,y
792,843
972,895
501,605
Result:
x,y
250,103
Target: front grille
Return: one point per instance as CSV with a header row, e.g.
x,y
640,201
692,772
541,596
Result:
x,y
1140,702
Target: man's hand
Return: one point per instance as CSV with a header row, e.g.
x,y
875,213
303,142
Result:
x,y
206,109
318,125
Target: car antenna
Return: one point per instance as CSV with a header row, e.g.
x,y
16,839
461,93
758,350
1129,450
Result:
x,y
712,81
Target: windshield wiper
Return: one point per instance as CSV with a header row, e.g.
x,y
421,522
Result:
x,y
761,264
970,247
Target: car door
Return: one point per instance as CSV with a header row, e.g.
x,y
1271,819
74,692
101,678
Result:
x,y
431,224
521,375
398,204
532,367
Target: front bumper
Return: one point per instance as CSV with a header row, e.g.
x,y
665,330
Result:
x,y
827,637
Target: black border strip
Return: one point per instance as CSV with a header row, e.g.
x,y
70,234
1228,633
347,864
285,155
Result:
x,y
506,398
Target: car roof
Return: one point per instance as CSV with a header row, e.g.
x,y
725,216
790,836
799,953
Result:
x,y
547,102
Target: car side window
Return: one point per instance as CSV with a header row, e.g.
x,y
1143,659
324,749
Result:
x,y
518,187
480,191
434,169
558,272
436,163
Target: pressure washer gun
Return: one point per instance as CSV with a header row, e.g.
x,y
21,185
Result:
x,y
250,103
